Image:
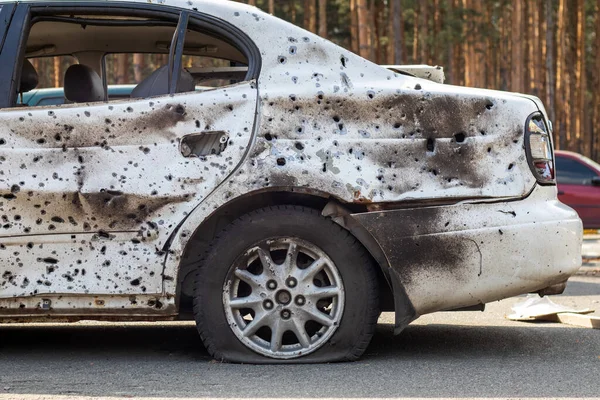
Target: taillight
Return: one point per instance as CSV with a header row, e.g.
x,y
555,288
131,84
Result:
x,y
538,144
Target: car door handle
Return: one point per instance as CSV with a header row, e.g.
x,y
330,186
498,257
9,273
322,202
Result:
x,y
204,144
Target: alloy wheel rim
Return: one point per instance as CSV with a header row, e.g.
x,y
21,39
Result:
x,y
283,298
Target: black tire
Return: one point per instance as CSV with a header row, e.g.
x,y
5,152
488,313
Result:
x,y
355,266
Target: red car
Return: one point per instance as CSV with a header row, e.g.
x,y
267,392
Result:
x,y
579,186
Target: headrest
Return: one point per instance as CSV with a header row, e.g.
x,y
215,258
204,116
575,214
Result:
x,y
83,84
29,77
157,84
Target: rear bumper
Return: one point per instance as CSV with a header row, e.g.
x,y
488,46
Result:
x,y
466,254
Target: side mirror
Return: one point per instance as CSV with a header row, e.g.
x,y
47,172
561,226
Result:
x,y
596,181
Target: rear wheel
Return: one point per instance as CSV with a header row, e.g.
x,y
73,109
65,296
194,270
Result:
x,y
273,288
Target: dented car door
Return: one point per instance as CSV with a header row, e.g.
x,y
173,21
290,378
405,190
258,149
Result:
x,y
92,192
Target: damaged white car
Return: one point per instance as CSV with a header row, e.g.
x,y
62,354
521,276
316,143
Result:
x,y
283,205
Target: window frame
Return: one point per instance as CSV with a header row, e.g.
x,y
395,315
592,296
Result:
x,y
196,21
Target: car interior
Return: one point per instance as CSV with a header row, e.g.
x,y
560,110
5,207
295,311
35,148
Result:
x,y
91,40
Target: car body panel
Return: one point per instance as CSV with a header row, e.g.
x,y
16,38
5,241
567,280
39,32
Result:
x,y
326,122
449,257
113,177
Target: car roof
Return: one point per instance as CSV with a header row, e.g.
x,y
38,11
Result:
x,y
191,5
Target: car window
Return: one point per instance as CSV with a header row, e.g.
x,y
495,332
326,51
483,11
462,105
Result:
x,y
51,70
569,171
133,68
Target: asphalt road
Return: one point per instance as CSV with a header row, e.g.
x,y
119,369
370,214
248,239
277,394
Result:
x,y
460,354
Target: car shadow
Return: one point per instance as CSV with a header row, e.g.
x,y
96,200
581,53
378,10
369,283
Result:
x,y
523,360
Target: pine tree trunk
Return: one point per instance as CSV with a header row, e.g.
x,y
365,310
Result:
x,y
580,86
550,62
354,27
518,64
272,7
310,15
562,100
398,31
363,28
138,67
322,18
122,69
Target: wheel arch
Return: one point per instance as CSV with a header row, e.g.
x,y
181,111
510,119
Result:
x,y
322,201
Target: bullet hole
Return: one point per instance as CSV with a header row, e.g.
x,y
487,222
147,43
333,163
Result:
x,y
51,113
281,162
15,189
489,105
9,196
483,133
135,282
282,60
50,270
299,146
299,129
103,234
500,231
430,145
41,141
2,142
320,97
489,150
230,107
107,121
370,94
324,167
50,260
397,125
30,245
292,97
336,119
129,109
58,220
145,150
341,127
417,87
87,113
197,124
58,137
343,60
460,137
510,166
293,50
268,137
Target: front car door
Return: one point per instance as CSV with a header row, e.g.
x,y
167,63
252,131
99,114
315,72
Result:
x,y
92,191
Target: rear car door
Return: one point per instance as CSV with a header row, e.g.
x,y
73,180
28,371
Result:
x,y
93,191
577,187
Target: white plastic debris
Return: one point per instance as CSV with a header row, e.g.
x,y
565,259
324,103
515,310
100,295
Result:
x,y
536,307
